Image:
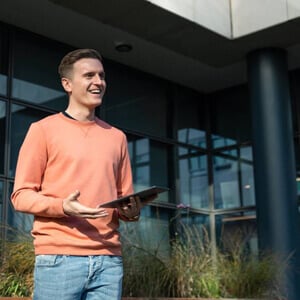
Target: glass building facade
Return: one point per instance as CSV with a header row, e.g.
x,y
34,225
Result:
x,y
197,144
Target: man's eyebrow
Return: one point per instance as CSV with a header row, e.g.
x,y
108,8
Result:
x,y
93,72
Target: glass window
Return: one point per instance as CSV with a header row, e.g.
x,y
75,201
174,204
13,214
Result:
x,y
21,119
234,178
152,232
134,101
230,117
190,117
149,164
3,59
247,176
238,229
192,219
2,134
35,75
193,178
226,180
297,151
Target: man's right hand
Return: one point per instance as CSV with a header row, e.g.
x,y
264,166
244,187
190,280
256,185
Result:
x,y
72,207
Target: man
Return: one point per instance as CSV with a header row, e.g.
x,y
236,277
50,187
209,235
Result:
x,y
68,165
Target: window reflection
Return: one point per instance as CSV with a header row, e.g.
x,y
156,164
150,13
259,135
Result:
x,y
192,219
139,151
193,179
38,94
226,186
35,77
3,60
238,229
246,153
135,100
220,141
248,188
234,178
2,134
149,164
21,119
192,136
3,84
153,220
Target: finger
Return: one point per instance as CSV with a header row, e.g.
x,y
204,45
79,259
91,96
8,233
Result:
x,y
82,209
73,196
132,201
88,216
132,208
92,213
138,202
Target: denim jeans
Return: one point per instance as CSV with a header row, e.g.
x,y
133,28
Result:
x,y
64,277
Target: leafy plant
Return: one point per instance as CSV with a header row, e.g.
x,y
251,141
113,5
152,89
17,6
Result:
x,y
189,267
193,269
16,266
144,265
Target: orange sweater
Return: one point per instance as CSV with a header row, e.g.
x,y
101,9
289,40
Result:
x,y
60,155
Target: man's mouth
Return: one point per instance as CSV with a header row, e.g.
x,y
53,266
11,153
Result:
x,y
95,91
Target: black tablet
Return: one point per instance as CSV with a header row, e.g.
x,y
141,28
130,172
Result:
x,y
144,194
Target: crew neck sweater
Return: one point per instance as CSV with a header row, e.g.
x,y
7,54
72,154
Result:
x,y
60,155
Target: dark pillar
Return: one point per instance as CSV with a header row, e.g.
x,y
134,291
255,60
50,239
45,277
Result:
x,y
274,159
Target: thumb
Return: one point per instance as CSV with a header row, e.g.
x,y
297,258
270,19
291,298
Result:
x,y
73,196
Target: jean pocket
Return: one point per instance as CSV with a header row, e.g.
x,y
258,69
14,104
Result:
x,y
48,260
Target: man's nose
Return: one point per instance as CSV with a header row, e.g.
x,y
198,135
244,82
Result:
x,y
97,79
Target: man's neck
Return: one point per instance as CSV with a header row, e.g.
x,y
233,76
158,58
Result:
x,y
81,115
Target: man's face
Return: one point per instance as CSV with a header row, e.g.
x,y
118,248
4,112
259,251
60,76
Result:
x,y
86,84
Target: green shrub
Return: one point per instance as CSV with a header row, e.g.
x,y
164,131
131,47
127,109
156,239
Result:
x,y
143,273
195,268
191,268
16,267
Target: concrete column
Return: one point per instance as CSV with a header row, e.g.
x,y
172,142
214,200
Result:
x,y
274,159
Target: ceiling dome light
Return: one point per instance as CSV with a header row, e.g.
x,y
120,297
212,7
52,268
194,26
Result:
x,y
123,47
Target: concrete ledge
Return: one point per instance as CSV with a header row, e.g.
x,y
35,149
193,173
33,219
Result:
x,y
140,298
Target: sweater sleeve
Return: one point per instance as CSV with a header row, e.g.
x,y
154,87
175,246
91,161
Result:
x,y
27,196
124,183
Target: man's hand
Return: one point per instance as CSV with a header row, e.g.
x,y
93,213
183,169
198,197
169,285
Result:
x,y
72,207
130,210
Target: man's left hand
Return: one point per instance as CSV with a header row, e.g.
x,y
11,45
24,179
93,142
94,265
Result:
x,y
130,210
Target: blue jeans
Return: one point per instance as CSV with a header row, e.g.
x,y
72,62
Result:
x,y
64,277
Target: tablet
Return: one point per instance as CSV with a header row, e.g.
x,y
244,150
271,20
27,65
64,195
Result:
x,y
144,194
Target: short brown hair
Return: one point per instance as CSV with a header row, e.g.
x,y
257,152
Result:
x,y
66,65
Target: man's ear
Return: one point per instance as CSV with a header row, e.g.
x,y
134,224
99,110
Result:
x,y
67,85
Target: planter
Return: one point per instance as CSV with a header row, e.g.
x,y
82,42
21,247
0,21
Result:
x,y
143,298
138,298
15,298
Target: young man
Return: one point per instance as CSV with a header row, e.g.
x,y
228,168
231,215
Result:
x,y
70,163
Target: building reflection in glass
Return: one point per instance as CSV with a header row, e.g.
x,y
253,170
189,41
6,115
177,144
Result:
x,y
233,178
